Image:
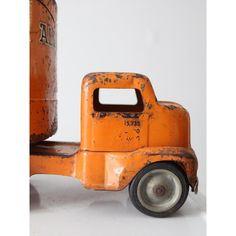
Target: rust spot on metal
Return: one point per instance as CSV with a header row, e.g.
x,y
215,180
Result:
x,y
118,75
129,115
181,153
100,115
105,80
149,106
170,107
142,87
92,79
139,76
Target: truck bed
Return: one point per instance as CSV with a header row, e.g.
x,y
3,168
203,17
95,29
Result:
x,y
51,148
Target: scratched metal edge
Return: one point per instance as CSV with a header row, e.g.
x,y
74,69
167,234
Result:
x,y
45,6
50,155
182,154
40,149
35,138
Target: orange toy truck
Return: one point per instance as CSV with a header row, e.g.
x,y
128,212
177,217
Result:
x,y
144,145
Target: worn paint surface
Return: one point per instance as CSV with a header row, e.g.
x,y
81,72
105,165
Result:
x,y
106,170
158,124
118,141
43,104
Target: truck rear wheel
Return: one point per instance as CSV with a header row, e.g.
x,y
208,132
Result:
x,y
159,189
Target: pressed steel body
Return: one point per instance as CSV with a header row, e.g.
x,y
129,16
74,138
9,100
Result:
x,y
117,141
43,116
159,124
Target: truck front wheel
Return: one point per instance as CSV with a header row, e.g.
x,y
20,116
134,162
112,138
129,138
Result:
x,y
159,189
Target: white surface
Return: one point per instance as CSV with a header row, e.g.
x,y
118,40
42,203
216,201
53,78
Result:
x,y
164,40
60,206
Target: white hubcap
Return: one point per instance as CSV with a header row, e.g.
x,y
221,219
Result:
x,y
159,190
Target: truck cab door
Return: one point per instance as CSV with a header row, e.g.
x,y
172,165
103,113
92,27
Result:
x,y
118,127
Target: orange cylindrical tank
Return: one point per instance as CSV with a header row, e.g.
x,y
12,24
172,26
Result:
x,y
43,49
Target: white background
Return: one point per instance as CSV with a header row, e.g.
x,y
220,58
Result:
x,y
164,40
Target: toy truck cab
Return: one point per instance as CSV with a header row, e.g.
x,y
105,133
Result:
x,y
145,145
122,127
115,127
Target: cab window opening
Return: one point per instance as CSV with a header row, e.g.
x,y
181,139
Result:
x,y
117,100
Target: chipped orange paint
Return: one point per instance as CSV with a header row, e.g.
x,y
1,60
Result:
x,y
43,104
116,143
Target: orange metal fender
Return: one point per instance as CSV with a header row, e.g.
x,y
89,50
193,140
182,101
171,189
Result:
x,y
106,170
115,170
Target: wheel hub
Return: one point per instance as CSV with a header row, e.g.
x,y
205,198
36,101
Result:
x,y
160,190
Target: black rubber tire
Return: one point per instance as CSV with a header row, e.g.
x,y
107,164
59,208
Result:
x,y
162,165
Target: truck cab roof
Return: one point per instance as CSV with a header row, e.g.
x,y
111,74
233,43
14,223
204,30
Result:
x,y
115,80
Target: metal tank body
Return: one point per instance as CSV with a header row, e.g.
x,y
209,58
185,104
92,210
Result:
x,y
43,87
